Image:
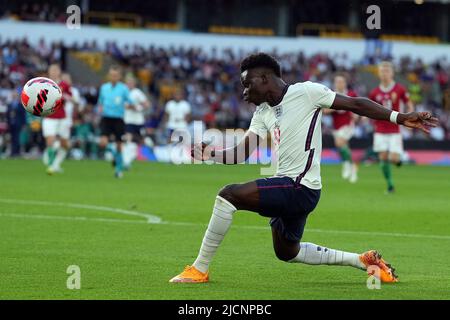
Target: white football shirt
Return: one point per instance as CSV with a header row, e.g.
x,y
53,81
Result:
x,y
295,128
136,117
177,112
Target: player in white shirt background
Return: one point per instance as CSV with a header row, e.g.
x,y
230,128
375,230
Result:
x,y
177,114
292,115
134,119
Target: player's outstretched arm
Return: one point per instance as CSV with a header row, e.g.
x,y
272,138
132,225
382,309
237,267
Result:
x,y
368,108
237,154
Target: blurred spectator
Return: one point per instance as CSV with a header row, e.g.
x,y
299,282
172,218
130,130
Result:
x,y
39,11
210,81
84,134
16,119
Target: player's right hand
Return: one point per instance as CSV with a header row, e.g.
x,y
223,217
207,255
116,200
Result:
x,y
419,120
130,107
198,151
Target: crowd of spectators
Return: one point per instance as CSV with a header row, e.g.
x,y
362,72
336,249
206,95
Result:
x,y
36,11
210,82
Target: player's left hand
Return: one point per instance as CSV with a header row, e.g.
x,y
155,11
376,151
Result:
x,y
419,120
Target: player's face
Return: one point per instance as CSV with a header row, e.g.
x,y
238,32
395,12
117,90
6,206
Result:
x,y
340,85
131,83
66,78
54,72
385,73
114,76
254,87
178,96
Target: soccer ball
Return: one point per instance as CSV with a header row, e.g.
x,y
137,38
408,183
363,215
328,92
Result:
x,y
41,96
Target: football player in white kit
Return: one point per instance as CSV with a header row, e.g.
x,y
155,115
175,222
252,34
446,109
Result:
x,y
134,121
292,114
177,114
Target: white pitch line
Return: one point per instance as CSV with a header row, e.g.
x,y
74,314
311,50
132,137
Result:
x,y
383,234
70,218
361,233
150,218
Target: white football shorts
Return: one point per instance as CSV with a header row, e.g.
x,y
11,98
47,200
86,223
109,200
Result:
x,y
56,127
388,142
344,132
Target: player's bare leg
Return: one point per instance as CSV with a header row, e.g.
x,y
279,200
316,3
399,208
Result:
x,y
386,169
103,143
285,249
395,158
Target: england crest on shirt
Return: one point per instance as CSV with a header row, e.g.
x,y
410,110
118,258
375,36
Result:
x,y
278,112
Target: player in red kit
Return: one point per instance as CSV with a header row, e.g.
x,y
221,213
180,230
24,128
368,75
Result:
x,y
387,139
343,125
55,126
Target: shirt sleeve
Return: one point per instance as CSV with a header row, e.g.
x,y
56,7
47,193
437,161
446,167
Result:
x,y
187,107
100,97
65,88
168,108
127,96
139,100
142,97
320,95
257,125
76,96
372,95
352,93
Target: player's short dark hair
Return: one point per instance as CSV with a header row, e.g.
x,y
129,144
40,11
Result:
x,y
342,75
115,67
261,60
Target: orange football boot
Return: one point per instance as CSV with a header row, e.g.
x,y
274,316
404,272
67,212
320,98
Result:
x,y
191,275
373,258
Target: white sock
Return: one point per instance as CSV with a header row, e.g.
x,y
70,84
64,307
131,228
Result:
x,y
130,151
346,169
311,253
217,228
45,158
59,158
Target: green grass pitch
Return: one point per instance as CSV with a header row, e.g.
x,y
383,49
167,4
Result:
x,y
48,223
